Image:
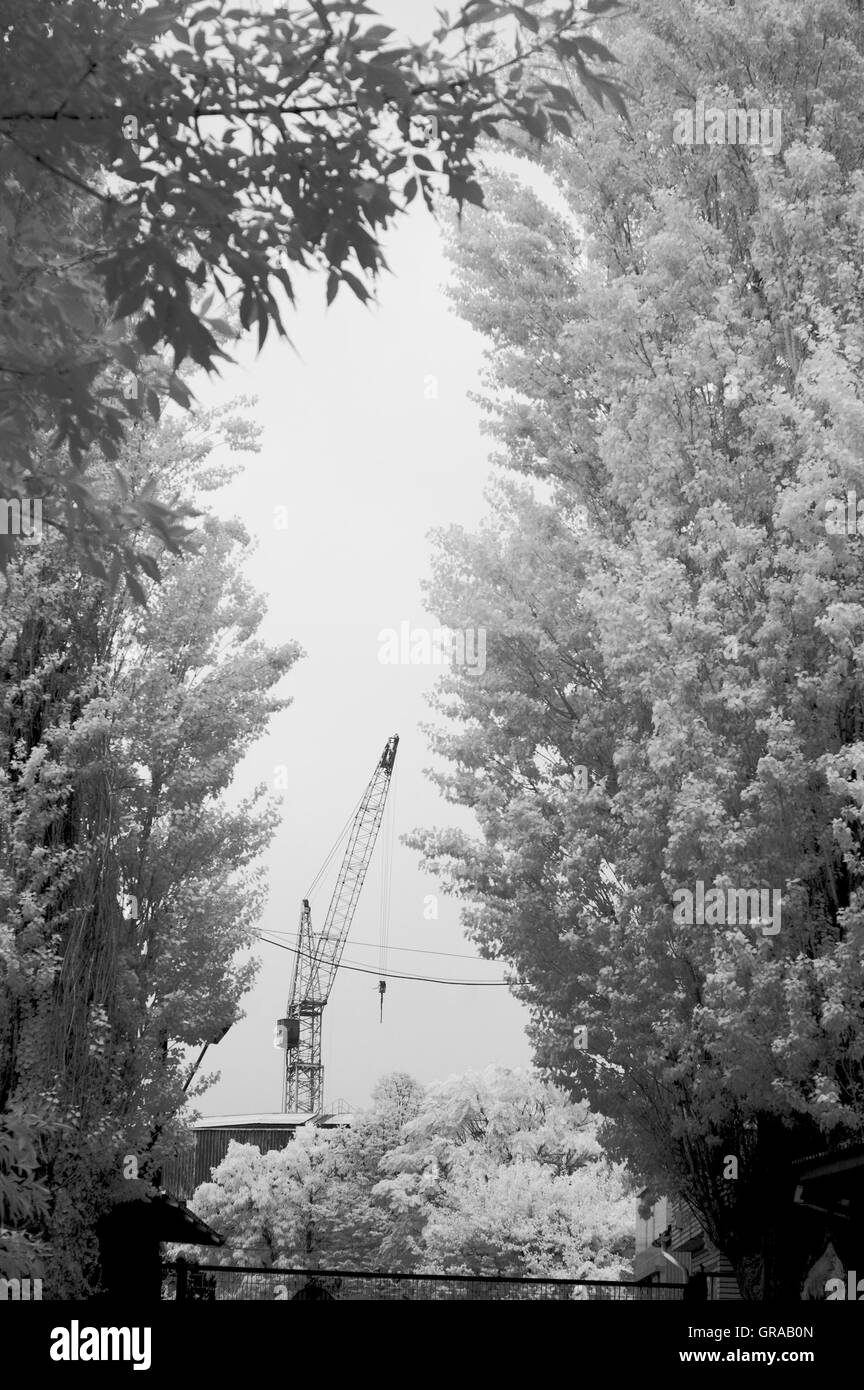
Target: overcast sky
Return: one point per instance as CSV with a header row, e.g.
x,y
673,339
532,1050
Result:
x,y
369,442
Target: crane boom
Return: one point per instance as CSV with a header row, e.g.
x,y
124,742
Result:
x,y
318,955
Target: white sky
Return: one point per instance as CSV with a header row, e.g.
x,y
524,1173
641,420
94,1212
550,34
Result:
x,y
365,466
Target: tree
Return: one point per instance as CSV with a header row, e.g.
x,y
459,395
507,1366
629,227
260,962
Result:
x,y
310,1204
127,885
396,1099
500,1173
679,386
496,1173
277,1206
161,163
523,1220
23,1198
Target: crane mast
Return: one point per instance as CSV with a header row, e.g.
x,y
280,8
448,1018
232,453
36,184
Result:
x,y
319,954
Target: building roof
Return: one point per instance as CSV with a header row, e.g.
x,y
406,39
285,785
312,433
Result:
x,y
848,1149
258,1120
180,1225
157,1216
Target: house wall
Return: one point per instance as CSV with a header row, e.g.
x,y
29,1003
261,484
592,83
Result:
x,y
648,1264
672,1223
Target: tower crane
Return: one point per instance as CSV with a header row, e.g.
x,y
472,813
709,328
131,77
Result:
x,y
318,954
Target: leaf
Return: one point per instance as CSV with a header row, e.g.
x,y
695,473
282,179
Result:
x,y
385,78
356,285
148,565
135,589
179,392
465,190
130,302
477,12
595,49
562,95
534,122
148,333
525,17
127,357
93,566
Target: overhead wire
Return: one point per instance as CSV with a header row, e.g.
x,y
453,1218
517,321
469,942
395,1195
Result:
x,y
396,975
386,892
412,950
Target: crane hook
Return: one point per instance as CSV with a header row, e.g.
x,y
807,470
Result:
x,y
382,990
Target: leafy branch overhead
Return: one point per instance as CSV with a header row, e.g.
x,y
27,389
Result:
x,y
150,156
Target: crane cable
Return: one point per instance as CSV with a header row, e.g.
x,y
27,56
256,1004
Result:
x,y
337,844
386,892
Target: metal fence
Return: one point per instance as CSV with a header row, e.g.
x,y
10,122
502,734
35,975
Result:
x,y
209,1282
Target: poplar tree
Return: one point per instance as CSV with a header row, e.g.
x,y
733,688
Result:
x,y
129,891
674,387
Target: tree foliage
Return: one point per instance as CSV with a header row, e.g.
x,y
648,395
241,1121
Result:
x,y
160,164
495,1173
500,1173
127,883
676,381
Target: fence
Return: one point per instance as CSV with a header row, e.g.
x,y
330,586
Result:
x,y
209,1282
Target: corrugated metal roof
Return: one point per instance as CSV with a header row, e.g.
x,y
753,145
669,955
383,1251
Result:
x,y
256,1120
